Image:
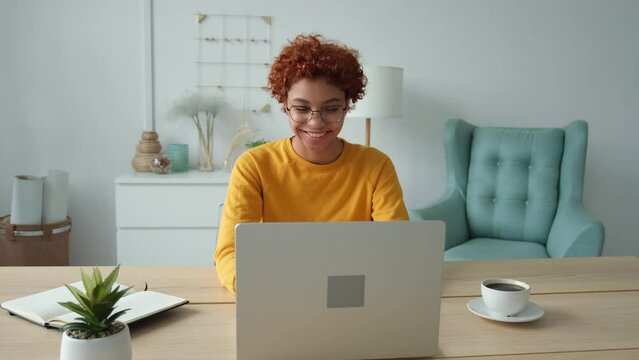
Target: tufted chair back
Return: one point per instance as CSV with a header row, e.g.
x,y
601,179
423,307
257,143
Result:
x,y
513,183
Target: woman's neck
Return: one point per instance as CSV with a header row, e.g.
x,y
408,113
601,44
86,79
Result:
x,y
324,157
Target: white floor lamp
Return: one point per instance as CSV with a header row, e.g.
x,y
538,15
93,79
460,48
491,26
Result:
x,y
383,97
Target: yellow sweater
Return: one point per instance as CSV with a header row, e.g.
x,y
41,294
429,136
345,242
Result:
x,y
271,183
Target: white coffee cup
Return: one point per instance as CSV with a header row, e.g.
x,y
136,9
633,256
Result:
x,y
505,297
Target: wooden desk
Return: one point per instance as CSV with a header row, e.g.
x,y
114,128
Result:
x,y
592,312
546,276
199,284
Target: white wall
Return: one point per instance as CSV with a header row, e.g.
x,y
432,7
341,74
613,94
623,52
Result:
x,y
72,96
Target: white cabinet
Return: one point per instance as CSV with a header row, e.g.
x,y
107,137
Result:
x,y
168,219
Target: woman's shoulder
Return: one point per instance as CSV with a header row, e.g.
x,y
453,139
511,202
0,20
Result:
x,y
272,151
269,147
364,153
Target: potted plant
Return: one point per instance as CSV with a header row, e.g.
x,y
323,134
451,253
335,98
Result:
x,y
96,334
255,143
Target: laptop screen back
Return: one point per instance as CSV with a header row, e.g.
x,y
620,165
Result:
x,y
338,290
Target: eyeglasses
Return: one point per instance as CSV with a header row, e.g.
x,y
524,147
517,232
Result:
x,y
329,114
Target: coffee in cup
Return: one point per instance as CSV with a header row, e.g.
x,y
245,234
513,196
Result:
x,y
505,297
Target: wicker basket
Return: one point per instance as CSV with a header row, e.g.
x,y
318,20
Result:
x,y
148,147
34,245
142,162
149,135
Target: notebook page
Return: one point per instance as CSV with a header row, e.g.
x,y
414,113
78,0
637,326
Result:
x,y
141,305
147,303
43,305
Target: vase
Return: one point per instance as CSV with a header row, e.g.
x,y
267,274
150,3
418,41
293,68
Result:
x,y
205,154
179,156
146,149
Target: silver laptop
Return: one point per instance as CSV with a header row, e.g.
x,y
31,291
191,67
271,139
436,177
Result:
x,y
345,290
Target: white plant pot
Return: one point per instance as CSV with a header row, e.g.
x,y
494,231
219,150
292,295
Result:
x,y
114,347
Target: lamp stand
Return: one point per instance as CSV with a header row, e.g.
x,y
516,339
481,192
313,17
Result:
x,y
368,131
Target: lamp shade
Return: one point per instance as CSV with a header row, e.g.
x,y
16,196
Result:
x,y
383,98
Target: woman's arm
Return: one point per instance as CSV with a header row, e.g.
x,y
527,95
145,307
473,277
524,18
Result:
x,y
243,204
388,199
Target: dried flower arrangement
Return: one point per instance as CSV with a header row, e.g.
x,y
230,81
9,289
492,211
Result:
x,y
241,135
202,108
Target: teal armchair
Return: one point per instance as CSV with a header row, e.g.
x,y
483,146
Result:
x,y
515,193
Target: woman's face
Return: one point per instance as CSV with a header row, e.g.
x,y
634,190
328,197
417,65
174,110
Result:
x,y
316,140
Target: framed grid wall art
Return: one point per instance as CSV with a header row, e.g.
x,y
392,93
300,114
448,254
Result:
x,y
233,58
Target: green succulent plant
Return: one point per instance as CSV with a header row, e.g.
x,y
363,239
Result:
x,y
255,143
96,305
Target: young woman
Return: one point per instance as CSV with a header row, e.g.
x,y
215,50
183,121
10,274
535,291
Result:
x,y
313,175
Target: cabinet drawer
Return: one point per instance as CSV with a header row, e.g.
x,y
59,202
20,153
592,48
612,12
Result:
x,y
164,206
166,246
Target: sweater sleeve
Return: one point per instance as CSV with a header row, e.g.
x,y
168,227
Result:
x,y
388,199
243,204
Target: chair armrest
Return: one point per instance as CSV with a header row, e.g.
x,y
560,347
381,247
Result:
x,y
575,233
451,209
415,215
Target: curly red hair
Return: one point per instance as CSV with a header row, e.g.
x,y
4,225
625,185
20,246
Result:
x,y
310,57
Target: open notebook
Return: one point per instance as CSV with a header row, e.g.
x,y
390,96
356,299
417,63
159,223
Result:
x,y
43,308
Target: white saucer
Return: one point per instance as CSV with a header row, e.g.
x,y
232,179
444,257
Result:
x,y
530,313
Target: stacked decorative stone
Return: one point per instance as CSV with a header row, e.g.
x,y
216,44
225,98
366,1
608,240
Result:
x,y
148,148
